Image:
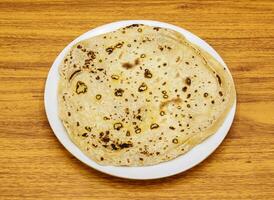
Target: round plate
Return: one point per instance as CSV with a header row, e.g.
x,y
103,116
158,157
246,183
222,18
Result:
x,y
175,166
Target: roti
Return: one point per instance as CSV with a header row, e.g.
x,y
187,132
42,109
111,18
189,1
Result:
x,y
141,95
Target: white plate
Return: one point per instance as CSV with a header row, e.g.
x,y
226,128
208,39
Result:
x,y
180,164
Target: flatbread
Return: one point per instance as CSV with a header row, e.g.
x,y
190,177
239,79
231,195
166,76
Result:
x,y
141,95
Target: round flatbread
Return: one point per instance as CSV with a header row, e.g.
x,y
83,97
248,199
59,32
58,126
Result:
x,y
141,95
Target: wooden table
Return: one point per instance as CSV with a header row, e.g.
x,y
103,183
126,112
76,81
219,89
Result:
x,y
34,165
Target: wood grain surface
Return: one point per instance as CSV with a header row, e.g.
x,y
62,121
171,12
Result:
x,y
34,165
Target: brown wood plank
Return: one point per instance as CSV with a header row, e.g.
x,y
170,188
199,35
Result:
x,y
34,165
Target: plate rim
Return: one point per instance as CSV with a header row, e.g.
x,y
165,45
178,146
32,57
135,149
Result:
x,y
52,78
